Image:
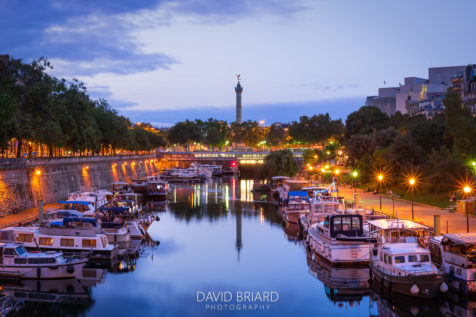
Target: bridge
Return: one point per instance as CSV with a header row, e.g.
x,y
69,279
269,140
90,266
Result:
x,y
222,158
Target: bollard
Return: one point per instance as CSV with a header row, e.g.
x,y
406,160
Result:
x,y
356,199
40,211
437,224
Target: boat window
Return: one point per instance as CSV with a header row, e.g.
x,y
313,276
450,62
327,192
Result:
x,y
20,250
89,243
9,252
346,223
385,258
337,224
356,223
46,241
67,242
38,260
399,259
424,258
20,261
24,237
412,258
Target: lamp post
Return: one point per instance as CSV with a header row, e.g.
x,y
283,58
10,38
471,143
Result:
x,y
412,181
380,179
466,191
354,177
337,172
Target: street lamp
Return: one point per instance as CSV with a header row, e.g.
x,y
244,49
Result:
x,y
467,190
412,181
380,179
354,177
337,172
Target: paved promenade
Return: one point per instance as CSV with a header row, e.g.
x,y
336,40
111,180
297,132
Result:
x,y
24,216
450,222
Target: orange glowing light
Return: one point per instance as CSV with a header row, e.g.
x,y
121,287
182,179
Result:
x,y
37,172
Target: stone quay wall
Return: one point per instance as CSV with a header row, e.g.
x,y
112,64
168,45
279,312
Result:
x,y
24,181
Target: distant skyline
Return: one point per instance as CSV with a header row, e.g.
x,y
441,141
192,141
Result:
x,y
166,61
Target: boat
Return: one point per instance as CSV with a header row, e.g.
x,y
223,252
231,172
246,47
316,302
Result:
x,y
121,188
16,261
79,205
279,188
399,261
71,234
139,185
158,190
296,204
341,240
96,198
455,253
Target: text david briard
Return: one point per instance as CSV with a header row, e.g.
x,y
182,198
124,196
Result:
x,y
239,300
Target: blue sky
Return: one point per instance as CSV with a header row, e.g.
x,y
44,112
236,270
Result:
x,y
164,61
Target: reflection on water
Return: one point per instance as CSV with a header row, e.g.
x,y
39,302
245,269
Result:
x,y
220,236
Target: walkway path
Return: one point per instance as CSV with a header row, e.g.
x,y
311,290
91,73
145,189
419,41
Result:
x,y
24,216
452,222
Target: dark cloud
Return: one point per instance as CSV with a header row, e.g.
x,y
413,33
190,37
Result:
x,y
87,37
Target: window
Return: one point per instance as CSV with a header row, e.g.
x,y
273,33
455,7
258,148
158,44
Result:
x,y
356,223
20,261
424,258
399,259
385,258
412,258
9,252
89,243
20,250
346,223
67,242
24,237
337,224
46,241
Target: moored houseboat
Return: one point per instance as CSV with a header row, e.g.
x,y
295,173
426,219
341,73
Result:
x,y
455,253
399,261
16,261
296,204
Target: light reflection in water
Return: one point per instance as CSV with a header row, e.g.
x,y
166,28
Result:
x,y
246,185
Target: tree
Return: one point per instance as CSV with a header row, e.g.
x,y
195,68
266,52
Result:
x,y
275,135
7,110
364,121
184,132
280,163
315,129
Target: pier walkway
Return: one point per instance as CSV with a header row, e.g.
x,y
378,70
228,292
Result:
x,y
24,217
450,221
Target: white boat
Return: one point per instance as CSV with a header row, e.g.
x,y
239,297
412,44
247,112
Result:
x,y
78,205
279,188
159,190
296,204
68,235
400,263
16,261
340,239
135,230
97,198
455,253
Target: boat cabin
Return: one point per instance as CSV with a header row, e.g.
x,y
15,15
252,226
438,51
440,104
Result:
x,y
278,181
79,205
346,224
459,249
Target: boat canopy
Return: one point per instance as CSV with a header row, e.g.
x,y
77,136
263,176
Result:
x,y
63,212
116,210
385,224
297,194
460,238
92,221
79,202
279,177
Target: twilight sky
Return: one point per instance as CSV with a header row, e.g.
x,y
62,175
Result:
x,y
165,61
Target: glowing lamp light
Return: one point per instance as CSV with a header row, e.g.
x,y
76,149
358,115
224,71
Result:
x,y
380,177
473,163
37,172
340,152
233,164
328,152
412,181
323,170
310,168
315,156
327,167
337,171
467,189
355,174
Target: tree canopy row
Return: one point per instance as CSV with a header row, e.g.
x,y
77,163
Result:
x,y
59,114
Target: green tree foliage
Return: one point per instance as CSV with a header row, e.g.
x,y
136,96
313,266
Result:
x,y
461,126
275,135
315,129
184,133
60,114
280,163
364,121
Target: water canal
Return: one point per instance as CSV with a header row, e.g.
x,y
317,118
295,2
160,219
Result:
x,y
219,239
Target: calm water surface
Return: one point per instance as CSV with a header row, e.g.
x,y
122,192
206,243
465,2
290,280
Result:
x,y
220,237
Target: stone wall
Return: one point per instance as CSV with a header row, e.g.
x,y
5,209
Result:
x,y
24,181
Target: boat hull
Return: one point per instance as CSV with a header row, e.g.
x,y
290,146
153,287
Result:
x,y
428,285
61,271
